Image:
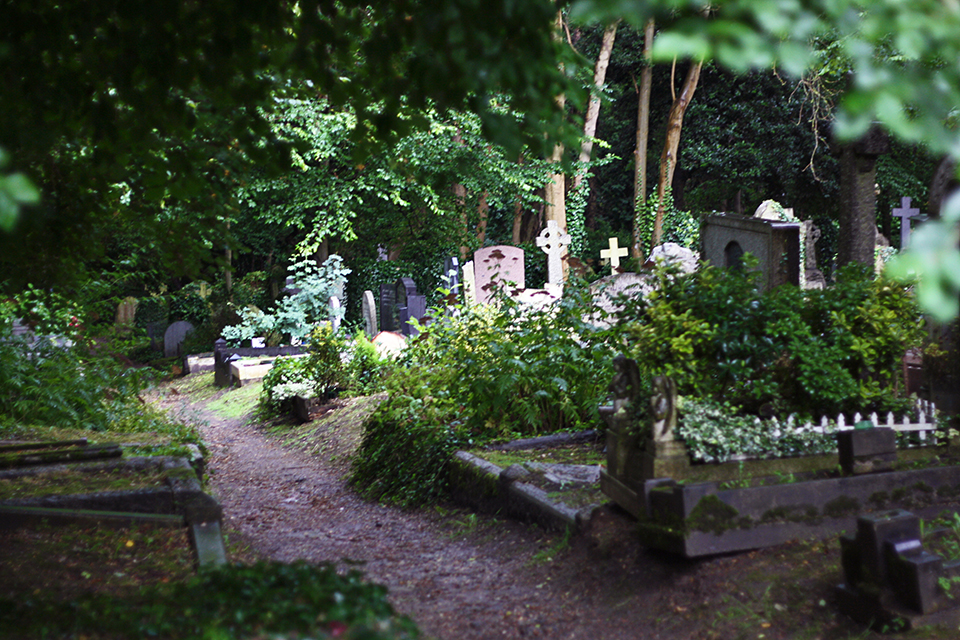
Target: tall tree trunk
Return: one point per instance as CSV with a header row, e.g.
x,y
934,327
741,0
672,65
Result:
x,y
555,190
460,200
643,134
483,210
593,110
668,159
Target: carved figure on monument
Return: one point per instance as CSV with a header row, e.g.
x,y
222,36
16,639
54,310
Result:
x,y
626,384
664,406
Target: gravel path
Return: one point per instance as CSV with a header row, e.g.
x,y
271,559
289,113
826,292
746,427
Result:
x,y
458,575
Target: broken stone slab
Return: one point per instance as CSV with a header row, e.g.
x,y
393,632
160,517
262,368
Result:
x,y
55,456
567,474
546,442
207,541
867,450
51,444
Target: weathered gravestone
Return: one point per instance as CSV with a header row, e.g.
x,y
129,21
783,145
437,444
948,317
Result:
x,y
369,314
127,312
451,274
906,213
174,336
776,245
498,268
410,305
469,284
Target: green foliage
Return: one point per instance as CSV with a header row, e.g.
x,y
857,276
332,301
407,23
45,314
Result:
x,y
715,432
410,439
150,310
16,190
365,368
231,602
809,352
187,304
296,314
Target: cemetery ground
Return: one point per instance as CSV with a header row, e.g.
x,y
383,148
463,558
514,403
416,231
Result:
x,y
456,573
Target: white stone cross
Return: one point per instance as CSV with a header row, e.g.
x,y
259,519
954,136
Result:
x,y
905,213
613,254
553,241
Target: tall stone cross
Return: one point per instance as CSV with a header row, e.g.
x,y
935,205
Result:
x,y
553,241
613,254
905,213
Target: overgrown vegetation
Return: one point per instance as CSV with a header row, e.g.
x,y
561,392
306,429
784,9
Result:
x,y
57,377
787,350
234,601
481,374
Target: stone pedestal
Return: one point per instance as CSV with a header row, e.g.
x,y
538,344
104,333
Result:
x,y
665,459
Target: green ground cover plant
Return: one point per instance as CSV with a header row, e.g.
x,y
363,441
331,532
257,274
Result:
x,y
234,601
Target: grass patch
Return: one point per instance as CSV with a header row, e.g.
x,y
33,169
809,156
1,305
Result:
x,y
236,403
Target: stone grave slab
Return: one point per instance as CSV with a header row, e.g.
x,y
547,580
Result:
x,y
388,311
554,242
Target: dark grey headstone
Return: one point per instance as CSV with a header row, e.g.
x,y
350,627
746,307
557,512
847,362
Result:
x,y
388,302
451,274
416,308
174,336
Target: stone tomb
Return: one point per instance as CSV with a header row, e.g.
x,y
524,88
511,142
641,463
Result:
x,y
776,245
410,305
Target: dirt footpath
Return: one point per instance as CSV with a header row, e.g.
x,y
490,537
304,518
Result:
x,y
461,576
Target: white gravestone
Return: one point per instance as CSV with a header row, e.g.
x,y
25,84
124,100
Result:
x,y
336,313
613,254
498,268
369,314
554,242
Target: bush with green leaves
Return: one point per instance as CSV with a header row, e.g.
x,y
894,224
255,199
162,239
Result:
x,y
231,602
809,352
297,314
410,439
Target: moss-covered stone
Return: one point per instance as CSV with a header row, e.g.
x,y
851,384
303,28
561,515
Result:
x,y
712,515
841,506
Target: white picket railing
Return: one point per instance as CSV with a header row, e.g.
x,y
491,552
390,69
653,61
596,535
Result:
x,y
923,424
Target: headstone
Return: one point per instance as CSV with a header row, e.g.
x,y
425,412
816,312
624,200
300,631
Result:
x,y
388,303
498,268
382,253
469,284
554,242
813,277
613,254
905,213
127,311
776,245
673,254
336,313
416,309
155,332
369,314
258,342
451,274
409,305
174,336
